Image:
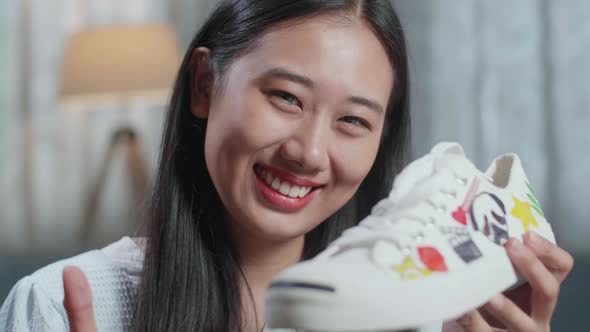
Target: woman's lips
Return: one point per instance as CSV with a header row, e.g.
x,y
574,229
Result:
x,y
280,201
291,178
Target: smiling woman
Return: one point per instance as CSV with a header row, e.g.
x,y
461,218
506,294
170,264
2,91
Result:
x,y
297,125
287,123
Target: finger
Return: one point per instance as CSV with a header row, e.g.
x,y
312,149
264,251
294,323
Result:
x,y
473,322
557,260
510,314
492,321
78,300
544,285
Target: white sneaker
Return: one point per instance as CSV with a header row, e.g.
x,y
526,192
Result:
x,y
431,251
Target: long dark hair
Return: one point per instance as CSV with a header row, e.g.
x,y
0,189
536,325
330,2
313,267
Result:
x,y
191,273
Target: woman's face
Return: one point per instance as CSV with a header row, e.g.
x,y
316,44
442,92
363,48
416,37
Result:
x,y
296,126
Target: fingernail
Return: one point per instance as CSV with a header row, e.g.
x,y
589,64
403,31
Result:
x,y
76,288
515,246
75,277
535,238
496,302
512,242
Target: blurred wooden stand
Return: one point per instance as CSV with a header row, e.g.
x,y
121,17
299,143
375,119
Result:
x,y
118,64
124,138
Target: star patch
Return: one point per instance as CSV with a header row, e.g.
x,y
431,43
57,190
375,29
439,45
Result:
x,y
522,210
409,270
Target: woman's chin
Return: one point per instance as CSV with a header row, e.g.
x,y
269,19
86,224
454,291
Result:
x,y
280,229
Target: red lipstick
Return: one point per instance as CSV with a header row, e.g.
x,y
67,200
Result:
x,y
280,201
291,178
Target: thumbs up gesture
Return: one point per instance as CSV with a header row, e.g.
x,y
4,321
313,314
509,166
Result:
x,y
78,300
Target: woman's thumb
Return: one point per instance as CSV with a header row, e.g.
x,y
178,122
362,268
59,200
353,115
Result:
x,y
78,300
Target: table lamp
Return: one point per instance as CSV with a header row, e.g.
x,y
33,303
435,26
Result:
x,y
115,64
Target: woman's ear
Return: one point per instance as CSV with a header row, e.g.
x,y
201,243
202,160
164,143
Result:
x,y
201,82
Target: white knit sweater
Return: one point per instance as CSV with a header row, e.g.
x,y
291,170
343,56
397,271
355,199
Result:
x,y
35,303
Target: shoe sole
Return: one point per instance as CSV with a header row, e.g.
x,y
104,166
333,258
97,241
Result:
x,y
320,310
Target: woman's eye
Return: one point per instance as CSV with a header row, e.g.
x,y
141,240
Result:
x,y
288,98
353,120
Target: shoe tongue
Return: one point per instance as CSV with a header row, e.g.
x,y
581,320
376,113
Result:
x,y
422,168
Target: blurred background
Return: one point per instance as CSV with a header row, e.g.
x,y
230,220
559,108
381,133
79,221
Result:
x,y
79,135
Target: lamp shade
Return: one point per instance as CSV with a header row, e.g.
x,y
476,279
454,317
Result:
x,y
116,60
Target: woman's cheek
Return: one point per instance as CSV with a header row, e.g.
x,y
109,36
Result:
x,y
353,158
262,125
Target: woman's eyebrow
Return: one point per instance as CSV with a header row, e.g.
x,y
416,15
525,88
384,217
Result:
x,y
371,104
283,73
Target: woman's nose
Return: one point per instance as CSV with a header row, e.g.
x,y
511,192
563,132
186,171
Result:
x,y
307,148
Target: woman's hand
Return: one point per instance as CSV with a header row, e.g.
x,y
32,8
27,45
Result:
x,y
528,308
78,300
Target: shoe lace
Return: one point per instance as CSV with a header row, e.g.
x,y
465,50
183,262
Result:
x,y
405,221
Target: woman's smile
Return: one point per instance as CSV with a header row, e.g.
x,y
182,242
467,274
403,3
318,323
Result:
x,y
283,190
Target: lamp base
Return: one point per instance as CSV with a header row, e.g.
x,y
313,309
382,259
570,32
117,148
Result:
x,y
137,172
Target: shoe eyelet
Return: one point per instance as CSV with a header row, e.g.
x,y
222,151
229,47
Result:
x,y
431,222
461,180
418,237
451,193
406,250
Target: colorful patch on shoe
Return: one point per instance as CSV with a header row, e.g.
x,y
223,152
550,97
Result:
x,y
461,241
460,215
488,216
522,210
408,269
533,199
432,259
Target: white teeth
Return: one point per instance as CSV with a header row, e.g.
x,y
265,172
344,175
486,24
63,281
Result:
x,y
276,183
301,192
283,187
294,192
